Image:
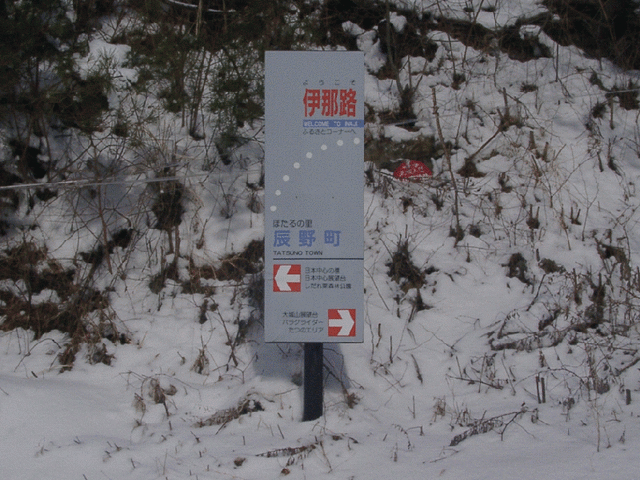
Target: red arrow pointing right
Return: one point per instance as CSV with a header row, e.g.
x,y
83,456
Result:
x,y
342,322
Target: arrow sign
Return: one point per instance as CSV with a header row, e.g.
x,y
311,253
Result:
x,y
342,322
286,278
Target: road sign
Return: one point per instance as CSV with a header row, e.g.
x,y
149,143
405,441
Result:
x,y
342,322
314,190
286,278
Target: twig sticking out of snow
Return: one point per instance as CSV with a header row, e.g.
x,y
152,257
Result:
x,y
484,426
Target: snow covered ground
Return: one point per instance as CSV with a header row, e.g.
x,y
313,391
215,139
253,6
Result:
x,y
450,380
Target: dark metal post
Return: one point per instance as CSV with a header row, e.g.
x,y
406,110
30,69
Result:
x,y
313,388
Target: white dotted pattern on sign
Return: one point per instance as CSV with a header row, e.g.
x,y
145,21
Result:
x,y
309,155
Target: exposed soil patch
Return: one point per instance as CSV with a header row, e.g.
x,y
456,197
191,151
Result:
x,y
402,270
470,170
28,161
362,12
413,39
470,33
29,274
396,43
120,238
410,41
236,266
627,96
387,154
167,206
510,40
601,28
517,268
233,267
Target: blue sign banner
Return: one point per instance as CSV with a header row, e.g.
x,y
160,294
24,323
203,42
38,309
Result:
x,y
324,123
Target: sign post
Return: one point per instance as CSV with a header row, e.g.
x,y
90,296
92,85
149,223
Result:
x,y
314,189
313,388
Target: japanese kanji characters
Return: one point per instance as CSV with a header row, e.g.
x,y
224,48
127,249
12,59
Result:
x,y
330,102
306,238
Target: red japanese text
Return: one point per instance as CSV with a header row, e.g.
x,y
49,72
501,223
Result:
x,y
330,102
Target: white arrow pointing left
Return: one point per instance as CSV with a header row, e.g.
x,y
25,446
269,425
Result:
x,y
283,278
345,322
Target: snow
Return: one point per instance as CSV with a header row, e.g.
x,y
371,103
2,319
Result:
x,y
395,404
398,21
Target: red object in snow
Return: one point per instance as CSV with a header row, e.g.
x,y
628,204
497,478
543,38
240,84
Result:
x,y
412,169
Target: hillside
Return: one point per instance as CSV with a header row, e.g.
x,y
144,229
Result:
x,y
502,294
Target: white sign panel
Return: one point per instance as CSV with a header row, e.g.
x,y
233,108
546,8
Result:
x,y
314,190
